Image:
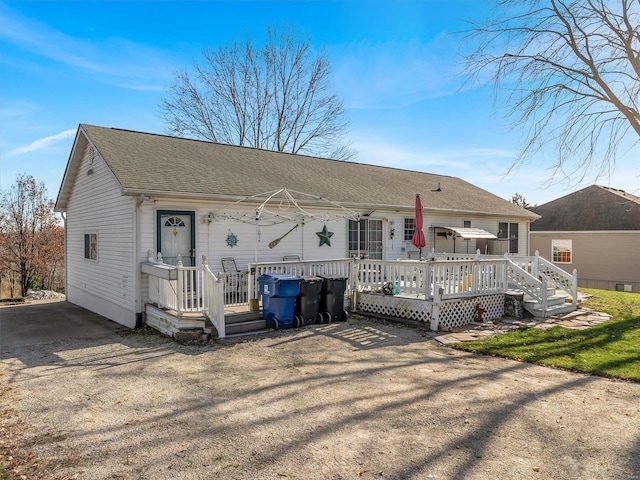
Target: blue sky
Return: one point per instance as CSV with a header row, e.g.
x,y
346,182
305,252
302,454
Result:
x,y
395,66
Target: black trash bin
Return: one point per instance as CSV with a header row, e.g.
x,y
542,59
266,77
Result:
x,y
332,298
307,307
279,292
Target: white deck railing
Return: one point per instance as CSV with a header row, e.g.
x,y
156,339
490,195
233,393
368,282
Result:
x,y
460,278
302,268
567,282
188,290
556,277
235,287
197,289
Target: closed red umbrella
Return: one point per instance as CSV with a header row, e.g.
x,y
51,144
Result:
x,y
418,236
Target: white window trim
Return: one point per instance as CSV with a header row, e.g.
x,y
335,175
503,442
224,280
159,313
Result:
x,y
85,246
562,243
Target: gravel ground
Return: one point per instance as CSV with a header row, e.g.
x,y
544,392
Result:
x,y
360,399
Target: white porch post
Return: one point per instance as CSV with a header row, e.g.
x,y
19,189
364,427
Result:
x,y
574,287
543,296
428,272
180,284
536,264
435,313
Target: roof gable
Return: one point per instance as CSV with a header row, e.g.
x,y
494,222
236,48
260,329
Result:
x,y
169,166
591,209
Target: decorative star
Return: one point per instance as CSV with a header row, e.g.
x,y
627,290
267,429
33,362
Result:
x,y
325,236
232,240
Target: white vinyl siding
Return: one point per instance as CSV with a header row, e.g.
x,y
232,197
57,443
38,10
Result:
x,y
211,237
398,247
96,207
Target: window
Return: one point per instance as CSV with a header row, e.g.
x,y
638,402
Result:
x,y
509,231
365,237
409,228
91,246
467,224
513,238
174,222
561,251
503,231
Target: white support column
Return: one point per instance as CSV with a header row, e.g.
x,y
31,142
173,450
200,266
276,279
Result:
x,y
427,280
435,313
574,287
180,285
543,296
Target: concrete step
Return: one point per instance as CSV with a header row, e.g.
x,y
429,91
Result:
x,y
551,301
551,310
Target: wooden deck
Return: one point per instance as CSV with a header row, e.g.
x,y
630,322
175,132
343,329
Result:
x,y
449,293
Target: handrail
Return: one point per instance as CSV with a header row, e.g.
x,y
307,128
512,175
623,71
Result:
x,y
189,290
559,278
535,288
213,295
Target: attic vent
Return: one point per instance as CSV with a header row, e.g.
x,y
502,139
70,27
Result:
x,y
91,155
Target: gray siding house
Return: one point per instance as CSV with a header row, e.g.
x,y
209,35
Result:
x,y
595,230
127,196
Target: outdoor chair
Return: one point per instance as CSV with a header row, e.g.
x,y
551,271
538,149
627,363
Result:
x,y
229,265
232,274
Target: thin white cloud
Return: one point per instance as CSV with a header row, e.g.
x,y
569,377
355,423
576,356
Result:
x,y
16,109
448,162
395,74
114,61
42,143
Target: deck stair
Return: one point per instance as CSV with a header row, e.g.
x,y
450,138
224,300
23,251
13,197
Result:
x,y
243,323
556,304
547,289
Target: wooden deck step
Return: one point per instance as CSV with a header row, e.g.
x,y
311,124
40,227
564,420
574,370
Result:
x,y
240,317
246,327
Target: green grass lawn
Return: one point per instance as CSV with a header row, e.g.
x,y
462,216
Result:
x,y
611,349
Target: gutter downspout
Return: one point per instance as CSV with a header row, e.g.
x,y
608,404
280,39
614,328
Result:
x,y
66,256
137,302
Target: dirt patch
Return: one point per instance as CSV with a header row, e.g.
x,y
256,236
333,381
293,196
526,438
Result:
x,y
359,399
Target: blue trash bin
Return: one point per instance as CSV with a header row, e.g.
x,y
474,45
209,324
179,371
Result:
x,y
279,292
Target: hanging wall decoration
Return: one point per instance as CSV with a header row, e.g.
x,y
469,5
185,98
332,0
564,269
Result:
x,y
325,236
232,240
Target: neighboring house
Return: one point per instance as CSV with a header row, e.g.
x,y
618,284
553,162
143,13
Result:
x,y
126,195
595,230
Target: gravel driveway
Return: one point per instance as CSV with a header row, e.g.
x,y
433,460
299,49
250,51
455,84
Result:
x,y
359,399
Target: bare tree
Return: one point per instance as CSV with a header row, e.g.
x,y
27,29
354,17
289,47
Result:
x,y
568,71
277,97
519,200
31,234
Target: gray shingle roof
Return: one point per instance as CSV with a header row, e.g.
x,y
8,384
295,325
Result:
x,y
144,162
592,208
